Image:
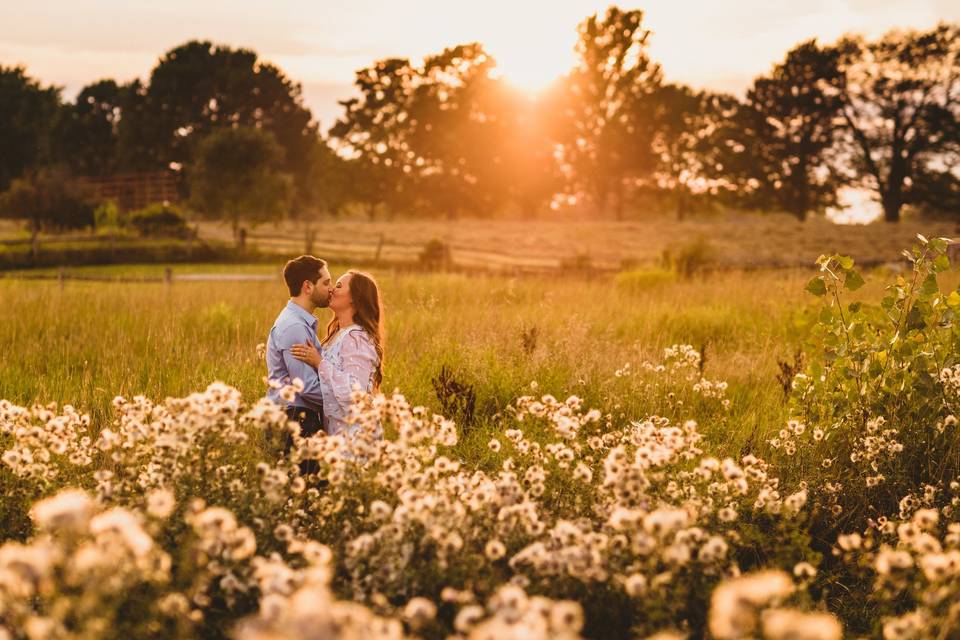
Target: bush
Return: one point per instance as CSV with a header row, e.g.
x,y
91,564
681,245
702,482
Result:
x,y
689,259
876,406
640,280
436,254
107,217
160,220
577,262
48,201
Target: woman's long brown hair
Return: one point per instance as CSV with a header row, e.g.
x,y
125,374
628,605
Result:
x,y
368,313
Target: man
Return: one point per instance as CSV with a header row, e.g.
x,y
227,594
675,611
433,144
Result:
x,y
310,285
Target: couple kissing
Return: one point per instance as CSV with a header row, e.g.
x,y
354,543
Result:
x,y
349,354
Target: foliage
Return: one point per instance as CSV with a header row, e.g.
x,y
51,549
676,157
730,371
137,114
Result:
x,y
690,258
785,132
86,136
436,254
237,177
642,280
607,137
160,220
49,200
876,403
899,103
27,112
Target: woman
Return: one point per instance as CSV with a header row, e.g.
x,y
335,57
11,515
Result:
x,y
352,351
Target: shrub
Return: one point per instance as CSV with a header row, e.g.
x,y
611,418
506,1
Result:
x,y
640,280
51,200
107,217
160,220
577,262
876,404
436,254
689,259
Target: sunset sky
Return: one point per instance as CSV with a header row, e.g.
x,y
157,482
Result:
x,y
717,45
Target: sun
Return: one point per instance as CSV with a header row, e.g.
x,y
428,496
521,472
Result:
x,y
532,59
531,72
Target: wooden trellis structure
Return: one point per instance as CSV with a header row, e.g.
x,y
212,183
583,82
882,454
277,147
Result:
x,y
135,190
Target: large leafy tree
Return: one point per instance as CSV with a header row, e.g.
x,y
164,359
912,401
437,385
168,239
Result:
x,y
28,113
235,177
900,103
200,87
683,126
789,126
458,132
48,199
375,131
608,138
86,135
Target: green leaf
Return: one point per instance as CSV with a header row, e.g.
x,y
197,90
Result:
x,y
845,262
953,300
942,263
930,285
853,281
855,307
915,319
817,286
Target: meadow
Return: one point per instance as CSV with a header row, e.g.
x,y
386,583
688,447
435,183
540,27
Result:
x,y
85,342
582,455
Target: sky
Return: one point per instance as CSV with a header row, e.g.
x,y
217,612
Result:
x,y
719,45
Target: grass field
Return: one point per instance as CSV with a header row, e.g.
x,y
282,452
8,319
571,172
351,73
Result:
x,y
733,240
743,240
85,342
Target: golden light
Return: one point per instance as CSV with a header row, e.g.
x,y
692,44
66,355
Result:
x,y
534,47
533,73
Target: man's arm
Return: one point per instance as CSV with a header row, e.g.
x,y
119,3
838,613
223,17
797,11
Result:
x,y
300,334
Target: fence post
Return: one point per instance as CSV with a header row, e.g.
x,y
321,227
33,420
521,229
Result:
x,y
376,258
168,275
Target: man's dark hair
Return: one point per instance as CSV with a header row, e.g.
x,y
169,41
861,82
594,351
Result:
x,y
296,271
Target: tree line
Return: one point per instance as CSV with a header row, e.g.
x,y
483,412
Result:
x,y
449,137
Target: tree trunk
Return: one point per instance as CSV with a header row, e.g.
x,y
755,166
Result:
x,y
239,234
891,210
682,205
892,200
34,241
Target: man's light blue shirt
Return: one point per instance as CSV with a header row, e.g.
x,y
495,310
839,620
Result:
x,y
293,326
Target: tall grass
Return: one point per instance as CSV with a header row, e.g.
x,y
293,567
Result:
x,y
85,342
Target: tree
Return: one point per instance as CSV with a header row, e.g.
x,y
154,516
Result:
x,y
682,128
790,128
458,120
86,135
199,87
900,103
328,187
47,200
608,138
236,177
375,131
27,115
